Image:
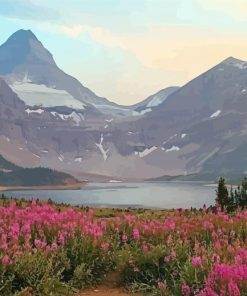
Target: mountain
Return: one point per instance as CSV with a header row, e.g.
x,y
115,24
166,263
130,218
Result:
x,y
196,131
29,68
154,100
201,128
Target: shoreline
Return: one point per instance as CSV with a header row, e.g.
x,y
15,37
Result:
x,y
75,186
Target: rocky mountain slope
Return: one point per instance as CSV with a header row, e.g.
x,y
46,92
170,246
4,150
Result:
x,y
154,100
29,68
198,129
202,126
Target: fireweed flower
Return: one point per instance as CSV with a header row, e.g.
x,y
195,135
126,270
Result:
x,y
196,261
208,225
217,241
136,234
5,260
233,289
185,289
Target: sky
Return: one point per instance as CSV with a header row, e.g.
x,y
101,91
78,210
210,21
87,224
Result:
x,y
126,50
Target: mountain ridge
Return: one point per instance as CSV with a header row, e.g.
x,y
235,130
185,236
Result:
x,y
197,130
24,59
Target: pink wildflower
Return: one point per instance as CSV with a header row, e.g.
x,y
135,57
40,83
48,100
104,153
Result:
x,y
185,290
136,234
233,289
196,261
5,260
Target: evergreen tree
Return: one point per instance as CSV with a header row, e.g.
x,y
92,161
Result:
x,y
231,201
237,196
222,198
243,195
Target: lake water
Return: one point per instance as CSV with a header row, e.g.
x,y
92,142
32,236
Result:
x,y
149,195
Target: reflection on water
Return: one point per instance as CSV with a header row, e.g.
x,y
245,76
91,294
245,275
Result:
x,y
149,195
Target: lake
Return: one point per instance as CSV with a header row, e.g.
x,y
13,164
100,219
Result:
x,y
165,195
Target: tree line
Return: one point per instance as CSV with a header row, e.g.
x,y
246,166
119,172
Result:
x,y
232,198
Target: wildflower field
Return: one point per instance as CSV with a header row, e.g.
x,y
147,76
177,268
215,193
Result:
x,y
47,249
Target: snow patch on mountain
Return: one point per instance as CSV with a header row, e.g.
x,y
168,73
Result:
x,y
172,149
78,159
183,136
145,152
142,112
26,79
6,138
41,95
76,117
215,114
169,139
37,111
240,65
44,151
156,101
61,157
102,149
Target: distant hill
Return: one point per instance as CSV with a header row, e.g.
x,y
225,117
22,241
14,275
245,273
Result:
x,y
12,175
7,166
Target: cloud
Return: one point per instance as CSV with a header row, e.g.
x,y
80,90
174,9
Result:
x,y
27,10
72,31
160,46
159,57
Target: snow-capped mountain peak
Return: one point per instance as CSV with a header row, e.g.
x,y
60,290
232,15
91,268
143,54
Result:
x,y
31,71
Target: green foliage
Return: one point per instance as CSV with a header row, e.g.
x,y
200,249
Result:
x,y
149,272
88,262
34,177
237,198
222,198
78,265
52,287
6,280
242,202
38,274
13,175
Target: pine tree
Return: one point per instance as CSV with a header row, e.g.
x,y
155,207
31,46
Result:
x,y
231,201
222,198
237,195
243,195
